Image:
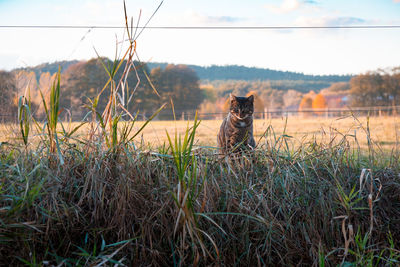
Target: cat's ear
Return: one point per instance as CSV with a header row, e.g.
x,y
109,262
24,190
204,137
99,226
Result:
x,y
251,98
232,97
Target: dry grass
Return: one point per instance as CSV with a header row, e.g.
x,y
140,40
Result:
x,y
385,131
321,204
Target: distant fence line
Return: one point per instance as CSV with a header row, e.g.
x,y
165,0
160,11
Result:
x,y
266,114
309,112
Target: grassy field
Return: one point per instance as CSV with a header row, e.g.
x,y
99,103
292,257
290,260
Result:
x,y
384,131
307,196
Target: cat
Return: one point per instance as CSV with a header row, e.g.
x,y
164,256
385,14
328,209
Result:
x,y
237,127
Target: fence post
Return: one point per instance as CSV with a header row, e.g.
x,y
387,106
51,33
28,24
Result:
x,y
265,114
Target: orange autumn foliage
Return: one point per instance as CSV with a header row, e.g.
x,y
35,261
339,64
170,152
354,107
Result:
x,y
319,103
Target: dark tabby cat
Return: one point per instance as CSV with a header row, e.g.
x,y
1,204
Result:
x,y
237,127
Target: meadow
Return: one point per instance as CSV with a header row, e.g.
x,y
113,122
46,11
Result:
x,y
384,131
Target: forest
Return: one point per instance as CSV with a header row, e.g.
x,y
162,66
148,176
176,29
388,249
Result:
x,y
236,72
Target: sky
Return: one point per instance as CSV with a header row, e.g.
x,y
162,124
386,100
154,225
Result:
x,y
317,51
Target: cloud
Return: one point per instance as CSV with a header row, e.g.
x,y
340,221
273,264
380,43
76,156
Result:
x,y
329,21
396,1
289,6
194,18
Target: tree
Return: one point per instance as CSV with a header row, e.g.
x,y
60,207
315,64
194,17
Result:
x,y
305,104
319,103
272,98
180,84
209,92
392,85
85,80
7,93
77,86
366,89
291,99
208,107
258,103
379,88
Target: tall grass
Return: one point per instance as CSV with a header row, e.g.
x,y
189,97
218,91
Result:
x,y
24,117
188,190
52,111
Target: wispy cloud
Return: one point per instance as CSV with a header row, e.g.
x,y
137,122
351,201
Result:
x,y
289,6
329,21
311,2
221,19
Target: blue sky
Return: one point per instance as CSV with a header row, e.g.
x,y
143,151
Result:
x,y
337,51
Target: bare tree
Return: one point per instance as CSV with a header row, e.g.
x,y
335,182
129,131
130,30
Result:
x,y
7,94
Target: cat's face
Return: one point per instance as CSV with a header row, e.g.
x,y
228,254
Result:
x,y
242,107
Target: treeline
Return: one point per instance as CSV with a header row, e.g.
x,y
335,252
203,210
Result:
x,y
84,81
376,88
223,73
235,72
48,67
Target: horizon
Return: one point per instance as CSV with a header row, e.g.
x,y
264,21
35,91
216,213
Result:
x,y
323,51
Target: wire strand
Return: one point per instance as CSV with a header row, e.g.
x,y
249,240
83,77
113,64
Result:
x,y
202,27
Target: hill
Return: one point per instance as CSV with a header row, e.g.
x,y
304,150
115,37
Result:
x,y
49,67
235,72
214,73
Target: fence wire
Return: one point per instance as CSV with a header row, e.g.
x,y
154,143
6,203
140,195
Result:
x,y
376,111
